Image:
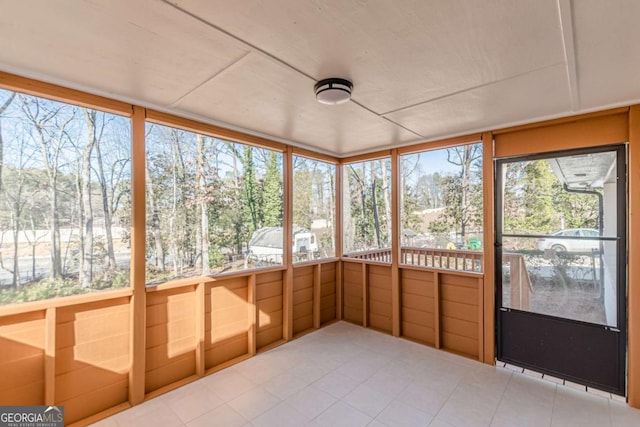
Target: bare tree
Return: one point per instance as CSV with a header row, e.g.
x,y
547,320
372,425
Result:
x,y
106,208
3,108
464,157
203,230
386,197
86,213
50,127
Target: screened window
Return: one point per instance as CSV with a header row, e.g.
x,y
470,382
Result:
x,y
367,209
64,199
314,195
213,206
441,208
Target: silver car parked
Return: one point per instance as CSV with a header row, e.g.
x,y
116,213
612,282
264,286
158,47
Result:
x,y
559,244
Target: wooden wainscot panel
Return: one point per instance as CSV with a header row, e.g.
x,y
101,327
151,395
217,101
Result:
x,y
460,307
302,299
22,358
226,321
328,293
171,340
352,293
417,303
92,357
379,294
269,298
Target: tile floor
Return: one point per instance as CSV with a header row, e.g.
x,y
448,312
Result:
x,y
345,375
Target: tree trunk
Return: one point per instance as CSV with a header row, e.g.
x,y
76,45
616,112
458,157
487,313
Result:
x,y
54,229
347,221
374,205
376,220
331,213
3,108
50,161
106,211
81,240
202,202
15,216
386,200
155,223
33,245
86,274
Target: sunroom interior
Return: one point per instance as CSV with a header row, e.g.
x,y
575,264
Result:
x,y
175,200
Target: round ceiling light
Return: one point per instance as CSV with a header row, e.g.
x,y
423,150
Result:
x,y
333,91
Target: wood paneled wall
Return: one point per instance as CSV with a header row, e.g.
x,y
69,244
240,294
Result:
x,y
171,338
379,302
439,308
461,313
302,298
227,314
328,293
353,291
418,306
269,293
92,357
77,352
22,360
76,355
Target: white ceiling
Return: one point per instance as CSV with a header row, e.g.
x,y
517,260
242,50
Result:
x,y
422,70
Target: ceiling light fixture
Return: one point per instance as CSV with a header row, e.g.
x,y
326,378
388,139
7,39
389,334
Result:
x,y
333,91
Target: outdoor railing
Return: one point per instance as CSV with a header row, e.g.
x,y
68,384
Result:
x,y
379,255
460,260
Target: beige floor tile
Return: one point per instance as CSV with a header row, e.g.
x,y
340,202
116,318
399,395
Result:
x,y
367,400
222,416
388,384
228,384
107,422
254,403
345,375
398,414
423,397
336,385
311,401
284,385
342,415
469,406
440,423
281,415
161,416
622,415
579,408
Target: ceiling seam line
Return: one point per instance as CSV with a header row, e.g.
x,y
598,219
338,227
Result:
x,y
569,48
438,98
403,127
386,118
208,79
246,43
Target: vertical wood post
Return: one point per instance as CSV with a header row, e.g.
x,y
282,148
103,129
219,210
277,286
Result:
x,y
365,294
480,319
396,188
137,347
436,310
252,314
50,357
338,230
287,300
317,295
487,306
200,327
